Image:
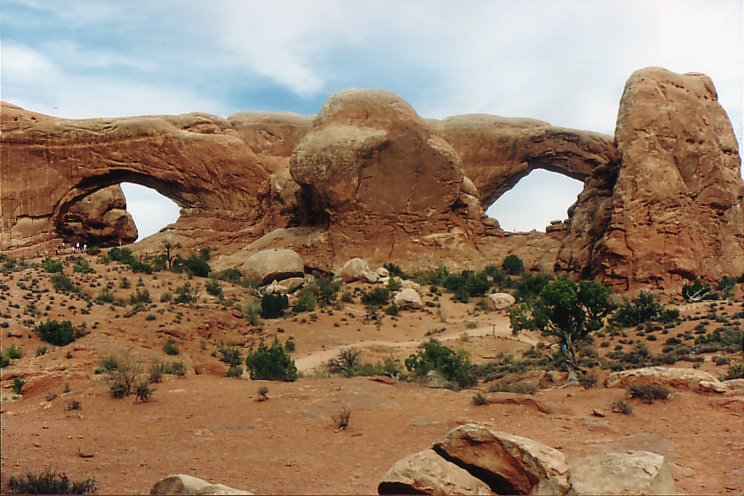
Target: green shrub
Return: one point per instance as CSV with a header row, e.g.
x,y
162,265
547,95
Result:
x,y
185,294
140,296
143,391
342,418
649,392
156,372
230,275
263,393
58,333
213,287
735,371
271,363
231,355
512,265
290,345
467,284
378,297
4,361
49,482
480,399
394,284
345,363
105,296
170,347
174,368
196,266
392,309
273,306
13,352
698,291
306,301
166,297
395,270
82,266
18,384
62,283
234,371
455,366
252,311
643,308
122,255
530,285
51,265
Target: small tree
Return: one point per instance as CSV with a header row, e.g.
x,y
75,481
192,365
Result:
x,y
512,265
169,247
568,312
271,363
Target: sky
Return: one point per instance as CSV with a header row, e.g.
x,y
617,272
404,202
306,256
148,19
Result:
x,y
562,61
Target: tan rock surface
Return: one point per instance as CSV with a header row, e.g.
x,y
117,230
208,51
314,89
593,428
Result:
x,y
426,472
674,377
640,472
187,484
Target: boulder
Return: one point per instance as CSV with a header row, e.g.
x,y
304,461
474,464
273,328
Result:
x,y
370,276
407,284
641,472
383,272
275,288
509,464
407,298
187,484
272,265
99,219
672,377
293,283
353,270
428,473
501,300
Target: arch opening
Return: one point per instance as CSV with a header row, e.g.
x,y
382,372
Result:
x,y
537,199
150,210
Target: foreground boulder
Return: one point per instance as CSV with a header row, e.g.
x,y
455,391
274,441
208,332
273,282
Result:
x,y
641,472
428,473
267,266
693,379
186,484
509,464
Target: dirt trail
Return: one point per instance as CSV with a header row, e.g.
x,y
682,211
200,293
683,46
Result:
x,y
317,359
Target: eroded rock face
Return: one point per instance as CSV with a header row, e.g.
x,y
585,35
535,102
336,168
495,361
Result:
x,y
99,219
677,205
497,152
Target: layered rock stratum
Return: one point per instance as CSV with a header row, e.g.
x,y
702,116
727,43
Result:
x,y
368,177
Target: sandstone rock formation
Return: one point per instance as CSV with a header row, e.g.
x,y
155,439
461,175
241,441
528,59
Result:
x,y
408,298
368,177
640,472
99,219
677,204
428,473
501,301
509,464
187,484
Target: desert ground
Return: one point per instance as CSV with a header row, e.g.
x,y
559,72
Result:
x,y
206,424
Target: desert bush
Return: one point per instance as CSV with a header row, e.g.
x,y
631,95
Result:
x,y
641,309
82,266
17,385
171,347
698,291
196,265
735,371
73,406
140,296
512,265
378,297
263,393
480,399
454,365
345,363
512,387
106,296
52,265
4,361
587,381
176,367
648,393
271,363
395,270
166,297
230,275
306,301
347,297
234,371
721,339
231,355
63,284
467,284
290,344
252,312
58,333
342,418
273,306
213,287
156,372
622,406
185,294
49,482
143,391
13,352
392,310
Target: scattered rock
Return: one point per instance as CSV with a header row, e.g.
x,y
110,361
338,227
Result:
x,y
539,404
275,288
426,472
186,484
640,472
672,377
407,298
353,270
370,277
408,284
273,265
509,464
501,300
383,272
598,413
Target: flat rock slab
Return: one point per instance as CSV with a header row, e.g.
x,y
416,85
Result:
x,y
641,472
